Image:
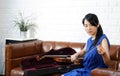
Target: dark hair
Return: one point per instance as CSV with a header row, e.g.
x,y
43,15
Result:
x,y
93,19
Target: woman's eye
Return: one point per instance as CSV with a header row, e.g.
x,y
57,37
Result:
x,y
85,25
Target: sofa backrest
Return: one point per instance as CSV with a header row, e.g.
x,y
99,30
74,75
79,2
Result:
x,y
47,45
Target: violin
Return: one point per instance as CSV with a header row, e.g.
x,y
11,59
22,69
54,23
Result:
x,y
68,60
61,58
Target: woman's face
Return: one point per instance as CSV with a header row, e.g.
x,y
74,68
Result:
x,y
90,29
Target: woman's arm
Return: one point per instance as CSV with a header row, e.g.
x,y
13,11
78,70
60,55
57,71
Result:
x,y
103,50
80,53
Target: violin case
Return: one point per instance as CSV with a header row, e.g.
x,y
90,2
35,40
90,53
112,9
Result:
x,y
48,65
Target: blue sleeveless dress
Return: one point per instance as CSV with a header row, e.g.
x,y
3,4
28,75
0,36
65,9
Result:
x,y
91,61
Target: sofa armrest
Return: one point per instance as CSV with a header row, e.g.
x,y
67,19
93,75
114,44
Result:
x,y
104,72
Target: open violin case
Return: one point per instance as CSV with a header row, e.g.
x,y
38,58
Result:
x,y
48,65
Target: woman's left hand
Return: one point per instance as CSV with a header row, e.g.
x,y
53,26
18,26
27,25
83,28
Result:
x,y
100,49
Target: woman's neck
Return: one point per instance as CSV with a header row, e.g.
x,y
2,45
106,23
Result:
x,y
93,37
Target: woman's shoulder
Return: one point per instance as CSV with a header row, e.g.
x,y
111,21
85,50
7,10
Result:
x,y
104,38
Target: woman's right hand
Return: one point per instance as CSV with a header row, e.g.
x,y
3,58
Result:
x,y
74,57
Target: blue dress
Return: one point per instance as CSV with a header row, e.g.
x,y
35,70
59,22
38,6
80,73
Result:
x,y
91,61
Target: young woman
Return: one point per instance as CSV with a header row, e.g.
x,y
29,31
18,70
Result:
x,y
96,50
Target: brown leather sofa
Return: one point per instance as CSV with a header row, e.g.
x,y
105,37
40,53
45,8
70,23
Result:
x,y
16,52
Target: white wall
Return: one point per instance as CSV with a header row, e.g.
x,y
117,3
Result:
x,y
59,20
